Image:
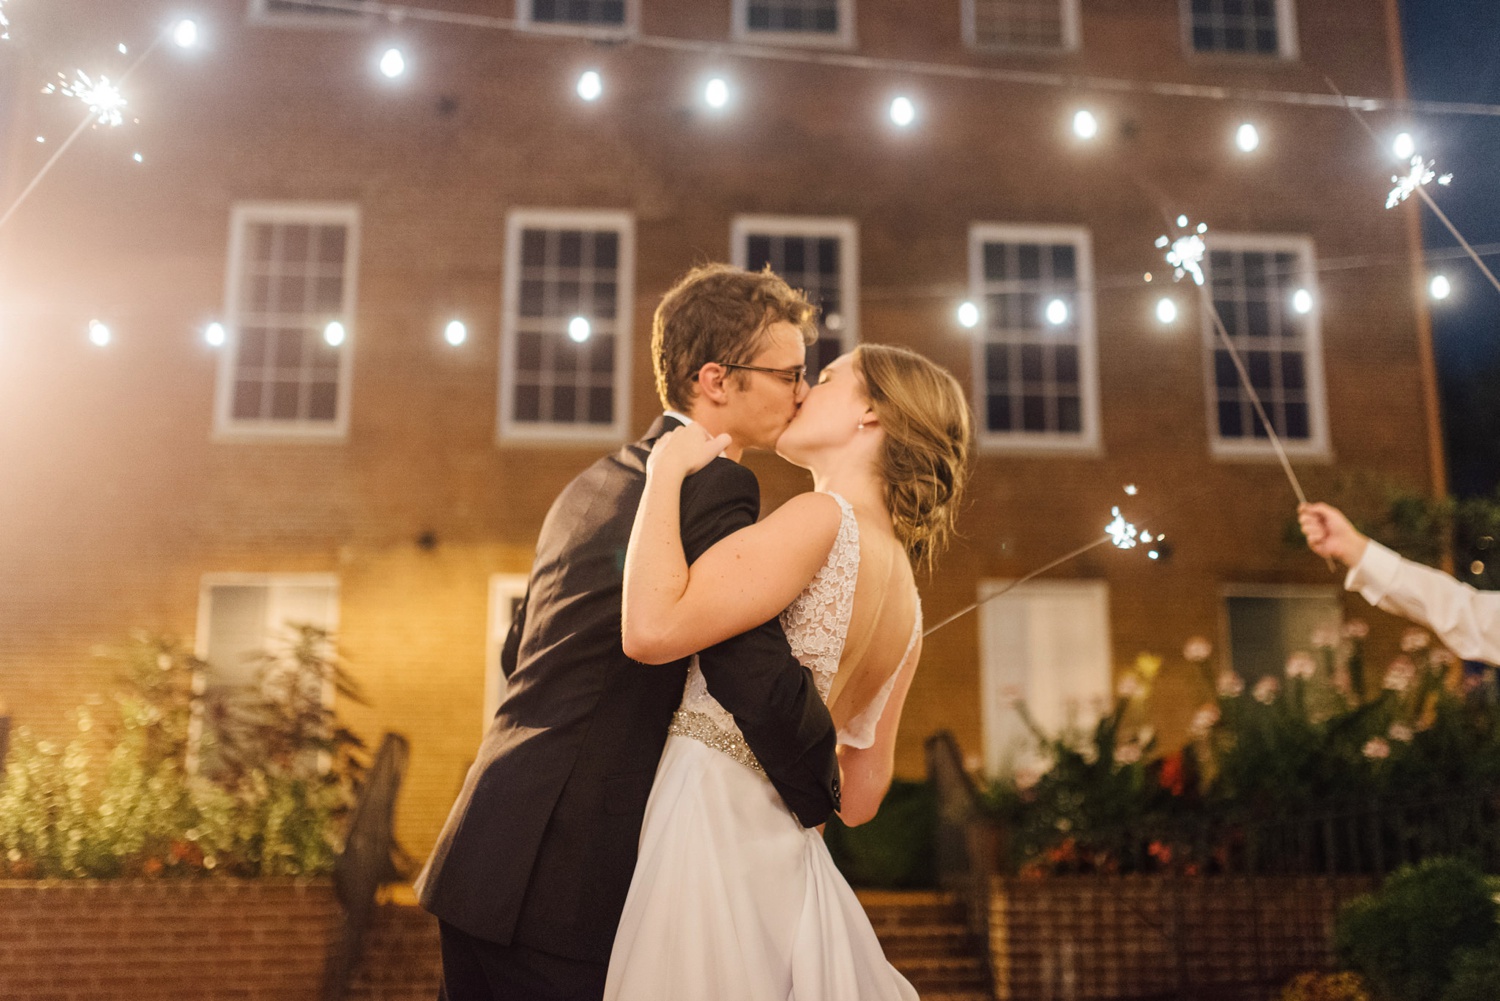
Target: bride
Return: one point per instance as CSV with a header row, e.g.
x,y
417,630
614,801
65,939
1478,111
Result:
x,y
732,898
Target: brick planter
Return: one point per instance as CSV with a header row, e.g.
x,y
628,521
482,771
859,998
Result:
x,y
1088,938
166,940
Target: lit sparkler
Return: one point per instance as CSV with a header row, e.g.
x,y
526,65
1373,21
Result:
x,y
103,98
1187,252
1121,532
1420,175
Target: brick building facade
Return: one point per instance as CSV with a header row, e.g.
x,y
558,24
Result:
x,y
391,484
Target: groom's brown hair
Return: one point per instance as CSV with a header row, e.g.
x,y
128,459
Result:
x,y
718,313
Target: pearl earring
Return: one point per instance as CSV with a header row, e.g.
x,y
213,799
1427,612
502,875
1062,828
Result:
x,y
861,425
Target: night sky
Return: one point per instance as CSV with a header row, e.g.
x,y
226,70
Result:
x,y
1453,54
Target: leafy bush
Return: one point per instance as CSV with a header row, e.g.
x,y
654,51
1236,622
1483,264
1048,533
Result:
x,y
894,850
1407,939
1325,987
1476,975
178,781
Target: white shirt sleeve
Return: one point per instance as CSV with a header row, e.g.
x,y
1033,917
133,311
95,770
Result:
x,y
1466,620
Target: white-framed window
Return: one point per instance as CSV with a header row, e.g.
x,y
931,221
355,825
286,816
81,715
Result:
x,y
1263,625
795,22
1262,28
295,14
293,270
1255,281
592,17
1004,25
1036,383
1047,643
817,255
242,616
506,593
565,348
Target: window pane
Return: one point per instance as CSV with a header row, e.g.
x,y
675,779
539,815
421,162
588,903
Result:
x,y
812,264
1018,24
1235,26
586,12
813,16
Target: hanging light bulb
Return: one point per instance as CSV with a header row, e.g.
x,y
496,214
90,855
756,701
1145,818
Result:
x,y
1085,125
1057,312
716,93
579,329
185,33
903,112
214,335
1247,138
968,315
1440,287
1405,147
1166,311
334,334
456,333
590,85
99,334
392,63
1302,301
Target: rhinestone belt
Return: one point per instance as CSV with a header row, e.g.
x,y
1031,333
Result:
x,y
700,727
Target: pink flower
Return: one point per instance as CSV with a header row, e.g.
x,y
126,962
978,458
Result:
x,y
1398,677
1356,629
1325,637
1415,639
1231,685
1266,689
1301,665
1400,732
1197,650
1129,685
1204,720
1377,749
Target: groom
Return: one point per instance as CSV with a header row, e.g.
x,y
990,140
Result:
x,y
530,873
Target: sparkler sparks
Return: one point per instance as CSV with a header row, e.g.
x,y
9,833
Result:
x,y
4,24
1121,532
1186,253
103,98
1420,175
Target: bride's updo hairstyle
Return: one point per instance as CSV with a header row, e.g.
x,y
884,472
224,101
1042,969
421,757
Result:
x,y
929,439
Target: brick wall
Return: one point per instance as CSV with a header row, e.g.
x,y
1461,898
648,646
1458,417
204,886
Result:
x,y
132,940
1103,939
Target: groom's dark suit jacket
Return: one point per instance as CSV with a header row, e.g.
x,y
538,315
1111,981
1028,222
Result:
x,y
540,847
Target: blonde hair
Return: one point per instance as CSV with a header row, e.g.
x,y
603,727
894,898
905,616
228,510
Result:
x,y
929,439
719,313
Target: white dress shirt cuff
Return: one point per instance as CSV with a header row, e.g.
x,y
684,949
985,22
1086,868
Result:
x,y
1374,575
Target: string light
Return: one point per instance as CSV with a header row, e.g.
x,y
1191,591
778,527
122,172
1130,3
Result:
x,y
1302,301
579,330
185,34
1085,125
1247,138
392,63
138,158
1440,287
456,333
590,85
1057,312
334,333
103,98
1405,146
99,334
903,112
968,315
716,93
4,24
1166,311
214,335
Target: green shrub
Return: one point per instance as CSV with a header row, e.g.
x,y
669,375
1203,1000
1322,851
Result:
x,y
1406,939
897,848
1476,975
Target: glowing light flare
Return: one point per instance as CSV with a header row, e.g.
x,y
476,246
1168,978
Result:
x,y
138,158
1085,125
1247,138
1302,301
103,98
590,85
1121,532
716,93
1405,146
1440,287
99,334
968,315
579,329
185,33
214,334
1057,312
392,63
456,332
334,333
1166,311
1186,253
903,112
1420,175
1131,490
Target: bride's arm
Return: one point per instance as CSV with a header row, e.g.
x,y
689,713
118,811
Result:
x,y
670,610
867,771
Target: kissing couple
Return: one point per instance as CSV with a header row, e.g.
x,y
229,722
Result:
x,y
692,692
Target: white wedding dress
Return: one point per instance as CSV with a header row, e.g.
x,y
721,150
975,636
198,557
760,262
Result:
x,y
732,898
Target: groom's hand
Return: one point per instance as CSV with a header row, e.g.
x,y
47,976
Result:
x,y
684,451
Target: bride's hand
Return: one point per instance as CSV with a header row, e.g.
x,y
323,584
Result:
x,y
684,451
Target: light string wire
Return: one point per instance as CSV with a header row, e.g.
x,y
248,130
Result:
x,y
89,117
1352,105
397,13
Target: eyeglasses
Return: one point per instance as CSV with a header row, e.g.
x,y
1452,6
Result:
x,y
792,376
